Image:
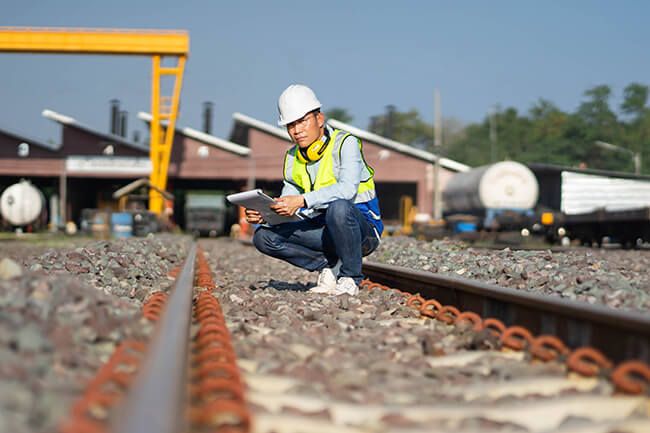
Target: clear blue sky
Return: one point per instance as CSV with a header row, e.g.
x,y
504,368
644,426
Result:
x,y
360,55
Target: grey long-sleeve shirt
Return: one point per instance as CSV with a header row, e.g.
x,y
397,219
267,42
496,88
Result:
x,y
348,178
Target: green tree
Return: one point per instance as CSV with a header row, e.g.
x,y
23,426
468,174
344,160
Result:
x,y
635,100
636,130
475,146
600,122
542,134
547,137
596,121
405,127
453,130
340,114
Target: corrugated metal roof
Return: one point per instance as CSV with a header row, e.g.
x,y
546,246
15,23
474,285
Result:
x,y
69,121
203,137
23,137
263,126
552,168
398,147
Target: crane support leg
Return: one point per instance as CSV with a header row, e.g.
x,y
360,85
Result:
x,y
164,111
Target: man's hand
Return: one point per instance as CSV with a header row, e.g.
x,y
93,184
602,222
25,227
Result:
x,y
254,217
288,205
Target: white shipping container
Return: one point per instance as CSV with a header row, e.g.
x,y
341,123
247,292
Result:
x,y
583,193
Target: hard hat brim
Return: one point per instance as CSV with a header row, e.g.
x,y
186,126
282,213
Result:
x,y
296,116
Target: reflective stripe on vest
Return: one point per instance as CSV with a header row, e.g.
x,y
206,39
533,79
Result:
x,y
295,171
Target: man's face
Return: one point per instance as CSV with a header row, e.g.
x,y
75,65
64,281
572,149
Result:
x,y
307,129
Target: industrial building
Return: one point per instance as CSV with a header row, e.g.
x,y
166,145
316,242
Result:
x,y
87,166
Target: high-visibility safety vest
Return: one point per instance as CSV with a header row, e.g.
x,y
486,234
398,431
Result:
x,y
295,170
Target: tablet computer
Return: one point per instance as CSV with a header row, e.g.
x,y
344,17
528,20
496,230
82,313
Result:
x,y
256,199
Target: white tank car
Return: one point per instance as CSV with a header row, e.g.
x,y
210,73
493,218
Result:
x,y
21,204
503,185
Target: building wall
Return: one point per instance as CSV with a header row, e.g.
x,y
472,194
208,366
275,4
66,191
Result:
x,y
192,159
38,167
396,174
268,152
78,142
391,166
40,162
46,168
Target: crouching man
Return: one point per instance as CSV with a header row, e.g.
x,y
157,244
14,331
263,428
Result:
x,y
327,180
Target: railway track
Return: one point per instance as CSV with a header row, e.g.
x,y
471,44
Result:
x,y
183,379
157,399
372,363
620,335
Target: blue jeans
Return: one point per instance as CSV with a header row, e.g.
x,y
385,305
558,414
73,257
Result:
x,y
313,244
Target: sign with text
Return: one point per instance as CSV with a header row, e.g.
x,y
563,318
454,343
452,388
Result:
x,y
108,165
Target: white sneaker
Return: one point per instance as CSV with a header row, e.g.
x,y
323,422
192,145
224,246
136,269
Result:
x,y
346,285
326,282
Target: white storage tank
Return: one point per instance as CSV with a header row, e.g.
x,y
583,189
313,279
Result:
x,y
21,203
503,185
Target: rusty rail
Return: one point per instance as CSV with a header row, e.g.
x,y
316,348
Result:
x,y
156,401
217,388
630,377
621,335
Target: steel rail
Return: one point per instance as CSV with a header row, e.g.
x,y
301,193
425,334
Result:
x,y
157,400
619,334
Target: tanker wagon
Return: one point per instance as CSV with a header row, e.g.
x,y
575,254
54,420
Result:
x,y
495,197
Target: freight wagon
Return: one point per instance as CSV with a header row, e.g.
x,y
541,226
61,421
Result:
x,y
593,206
562,204
205,213
495,197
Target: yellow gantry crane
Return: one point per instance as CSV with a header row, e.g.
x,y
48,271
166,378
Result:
x,y
154,43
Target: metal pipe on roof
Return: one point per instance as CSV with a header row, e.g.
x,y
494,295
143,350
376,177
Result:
x,y
124,116
114,116
207,117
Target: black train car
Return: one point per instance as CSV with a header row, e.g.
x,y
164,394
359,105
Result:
x,y
593,205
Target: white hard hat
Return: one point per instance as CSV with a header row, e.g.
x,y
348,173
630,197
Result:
x,y
296,101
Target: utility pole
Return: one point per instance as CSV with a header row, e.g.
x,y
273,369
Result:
x,y
493,133
389,124
63,197
437,145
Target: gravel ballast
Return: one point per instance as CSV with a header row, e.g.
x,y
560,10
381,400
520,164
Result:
x,y
64,310
368,363
64,313
614,278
